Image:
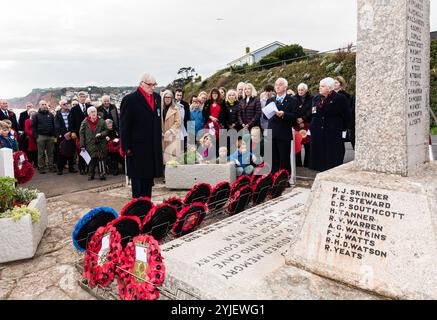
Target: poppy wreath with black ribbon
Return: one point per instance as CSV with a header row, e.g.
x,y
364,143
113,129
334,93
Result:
x,y
280,180
189,218
240,183
23,169
138,207
159,221
199,193
130,287
219,196
261,188
97,273
175,202
129,227
240,200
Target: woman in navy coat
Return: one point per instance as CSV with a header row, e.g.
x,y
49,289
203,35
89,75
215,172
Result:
x,y
330,118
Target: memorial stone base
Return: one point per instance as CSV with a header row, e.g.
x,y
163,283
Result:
x,y
374,231
19,240
184,177
242,257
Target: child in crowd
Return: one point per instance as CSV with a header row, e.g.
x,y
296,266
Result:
x,y
207,148
242,158
12,133
196,115
114,157
223,156
7,140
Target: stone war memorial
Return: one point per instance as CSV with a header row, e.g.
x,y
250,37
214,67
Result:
x,y
373,223
367,229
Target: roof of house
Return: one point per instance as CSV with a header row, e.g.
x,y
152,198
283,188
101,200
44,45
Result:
x,y
258,50
434,35
267,46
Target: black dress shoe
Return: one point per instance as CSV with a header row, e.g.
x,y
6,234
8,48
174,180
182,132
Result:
x,y
82,172
72,170
102,178
90,178
60,173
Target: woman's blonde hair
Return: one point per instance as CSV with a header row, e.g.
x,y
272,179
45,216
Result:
x,y
231,91
254,93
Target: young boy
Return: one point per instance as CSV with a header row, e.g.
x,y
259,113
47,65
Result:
x,y
242,158
223,156
7,139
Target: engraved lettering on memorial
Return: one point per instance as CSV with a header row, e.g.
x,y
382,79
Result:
x,y
353,227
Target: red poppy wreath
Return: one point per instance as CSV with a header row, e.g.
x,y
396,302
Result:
x,y
141,270
23,169
103,253
189,218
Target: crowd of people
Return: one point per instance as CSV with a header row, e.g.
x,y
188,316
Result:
x,y
55,139
323,123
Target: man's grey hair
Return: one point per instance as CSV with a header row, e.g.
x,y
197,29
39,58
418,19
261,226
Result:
x,y
329,82
303,86
147,78
91,109
82,93
282,80
106,97
63,101
109,121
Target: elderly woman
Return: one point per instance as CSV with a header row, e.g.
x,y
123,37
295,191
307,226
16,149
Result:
x,y
305,101
330,116
93,132
249,114
171,127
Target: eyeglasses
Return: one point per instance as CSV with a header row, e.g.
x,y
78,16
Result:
x,y
150,84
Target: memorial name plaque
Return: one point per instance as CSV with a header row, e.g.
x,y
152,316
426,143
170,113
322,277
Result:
x,y
227,259
377,232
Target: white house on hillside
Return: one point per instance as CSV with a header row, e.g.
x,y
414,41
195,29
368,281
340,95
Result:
x,y
255,56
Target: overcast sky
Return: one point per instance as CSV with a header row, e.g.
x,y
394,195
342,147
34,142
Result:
x,y
55,43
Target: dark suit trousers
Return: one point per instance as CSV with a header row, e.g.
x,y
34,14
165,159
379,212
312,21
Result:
x,y
141,187
281,155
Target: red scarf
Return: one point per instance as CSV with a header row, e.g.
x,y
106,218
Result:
x,y
323,100
93,125
150,99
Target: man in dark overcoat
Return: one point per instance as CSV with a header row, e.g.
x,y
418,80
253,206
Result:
x,y
78,114
281,126
141,136
330,120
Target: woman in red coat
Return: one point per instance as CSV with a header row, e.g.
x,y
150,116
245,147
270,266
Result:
x,y
32,148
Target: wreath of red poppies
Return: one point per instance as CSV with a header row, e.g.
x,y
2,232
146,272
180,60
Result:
x,y
23,170
129,286
187,220
92,270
